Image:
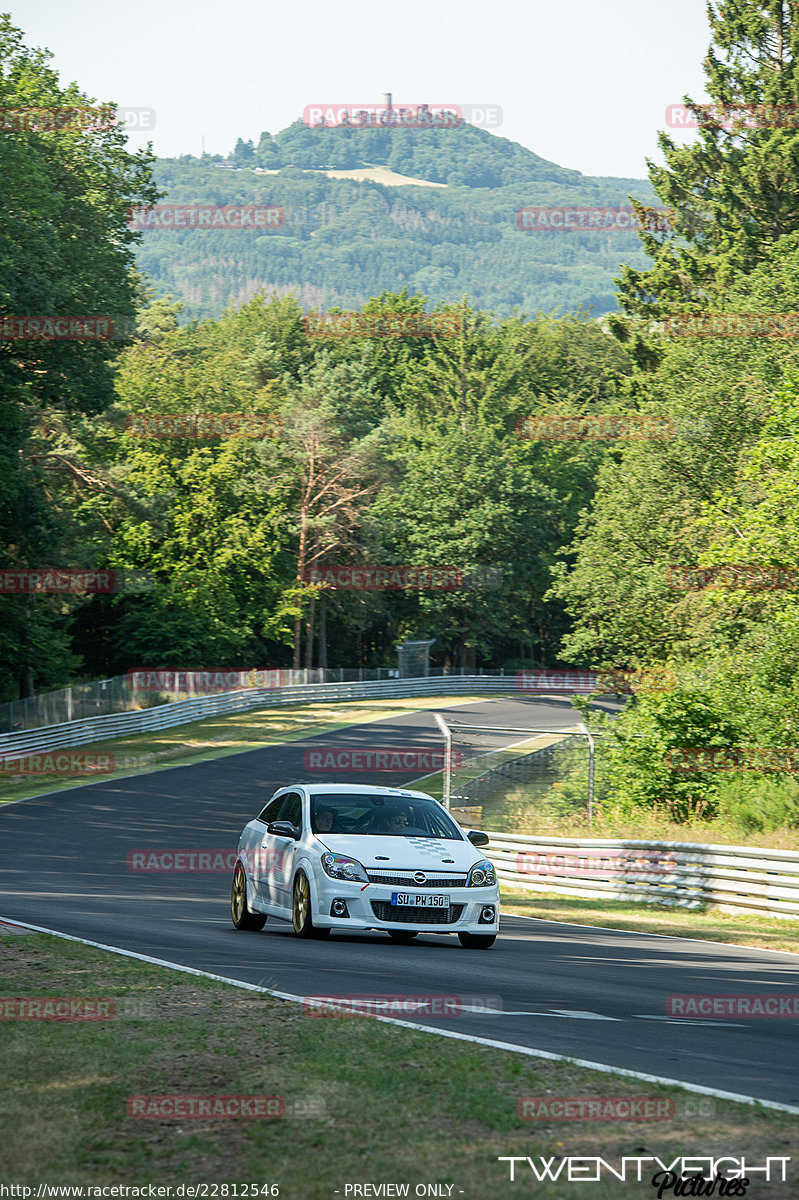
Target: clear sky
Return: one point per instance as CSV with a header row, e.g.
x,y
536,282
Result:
x,y
582,82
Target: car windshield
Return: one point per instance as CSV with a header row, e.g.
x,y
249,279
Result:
x,y
385,816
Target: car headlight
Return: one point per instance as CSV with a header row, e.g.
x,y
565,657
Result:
x,y
482,874
339,866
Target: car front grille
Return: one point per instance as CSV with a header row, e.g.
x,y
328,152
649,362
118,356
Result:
x,y
407,880
416,916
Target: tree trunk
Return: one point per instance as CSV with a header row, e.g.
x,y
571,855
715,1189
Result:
x,y
461,661
295,661
309,625
25,683
323,633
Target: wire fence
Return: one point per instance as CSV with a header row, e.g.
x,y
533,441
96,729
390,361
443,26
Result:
x,y
489,765
119,693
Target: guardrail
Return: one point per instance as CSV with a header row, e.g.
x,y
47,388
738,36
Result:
x,y
117,694
680,874
182,712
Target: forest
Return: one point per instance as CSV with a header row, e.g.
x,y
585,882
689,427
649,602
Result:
x,y
342,241
415,451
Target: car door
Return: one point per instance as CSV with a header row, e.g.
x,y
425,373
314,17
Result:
x,y
283,848
262,858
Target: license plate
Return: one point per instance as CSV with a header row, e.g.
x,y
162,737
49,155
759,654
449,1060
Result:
x,y
419,900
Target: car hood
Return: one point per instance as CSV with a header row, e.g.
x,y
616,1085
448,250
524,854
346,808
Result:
x,y
417,853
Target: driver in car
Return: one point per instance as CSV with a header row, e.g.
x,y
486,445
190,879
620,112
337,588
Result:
x,y
392,820
325,820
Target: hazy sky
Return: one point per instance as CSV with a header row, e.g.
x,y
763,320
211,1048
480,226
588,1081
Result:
x,y
583,83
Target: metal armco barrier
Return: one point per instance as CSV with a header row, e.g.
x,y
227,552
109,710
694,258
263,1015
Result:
x,y
681,874
182,712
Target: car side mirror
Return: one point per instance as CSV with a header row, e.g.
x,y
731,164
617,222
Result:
x,y
477,837
283,829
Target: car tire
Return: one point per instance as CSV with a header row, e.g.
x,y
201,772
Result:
x,y
239,912
477,941
302,910
402,935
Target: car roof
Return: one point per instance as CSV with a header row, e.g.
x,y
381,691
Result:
x,y
357,789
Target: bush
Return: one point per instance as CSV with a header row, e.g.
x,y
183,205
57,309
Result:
x,y
760,805
633,760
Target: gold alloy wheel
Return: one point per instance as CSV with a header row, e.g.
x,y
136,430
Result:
x,y
239,912
238,899
301,907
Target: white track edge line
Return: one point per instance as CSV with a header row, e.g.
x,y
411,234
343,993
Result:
x,y
527,1051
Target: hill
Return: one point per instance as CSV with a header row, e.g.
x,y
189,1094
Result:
x,y
373,210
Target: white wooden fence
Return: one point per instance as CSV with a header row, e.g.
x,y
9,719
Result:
x,y
681,874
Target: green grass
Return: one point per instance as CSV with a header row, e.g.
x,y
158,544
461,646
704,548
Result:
x,y
767,933
539,810
365,1101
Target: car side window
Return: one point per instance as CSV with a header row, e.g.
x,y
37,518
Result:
x,y
291,810
271,810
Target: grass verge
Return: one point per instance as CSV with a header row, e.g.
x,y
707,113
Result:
x,y
743,929
364,1101
538,810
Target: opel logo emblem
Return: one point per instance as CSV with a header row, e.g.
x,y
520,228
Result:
x,y
419,877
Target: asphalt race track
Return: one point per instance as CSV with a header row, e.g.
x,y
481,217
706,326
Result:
x,y
586,992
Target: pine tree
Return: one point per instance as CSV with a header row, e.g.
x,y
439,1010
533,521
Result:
x,y
736,190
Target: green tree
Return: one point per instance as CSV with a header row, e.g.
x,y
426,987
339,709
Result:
x,y
328,463
65,250
734,192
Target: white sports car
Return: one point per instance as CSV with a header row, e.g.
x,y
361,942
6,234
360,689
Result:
x,y
347,856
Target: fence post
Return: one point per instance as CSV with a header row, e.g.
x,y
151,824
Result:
x,y
442,725
584,728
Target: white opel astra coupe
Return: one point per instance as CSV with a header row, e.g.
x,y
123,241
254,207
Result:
x,y
348,856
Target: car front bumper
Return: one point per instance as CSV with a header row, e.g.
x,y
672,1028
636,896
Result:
x,y
369,906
